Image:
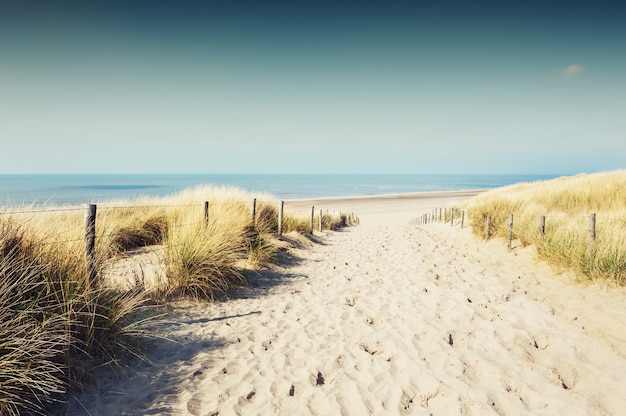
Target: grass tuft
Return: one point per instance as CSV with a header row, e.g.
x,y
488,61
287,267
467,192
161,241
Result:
x,y
151,232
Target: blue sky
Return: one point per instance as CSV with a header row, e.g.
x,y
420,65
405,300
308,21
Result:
x,y
316,87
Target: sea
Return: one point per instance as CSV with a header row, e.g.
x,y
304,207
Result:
x,y
72,189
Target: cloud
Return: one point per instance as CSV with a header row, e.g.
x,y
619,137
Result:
x,y
573,70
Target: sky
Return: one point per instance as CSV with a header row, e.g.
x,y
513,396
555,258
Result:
x,y
312,87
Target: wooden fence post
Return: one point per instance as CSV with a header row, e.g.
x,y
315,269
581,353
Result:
x,y
206,212
253,211
281,207
462,219
439,214
592,229
90,244
487,226
542,226
510,232
312,218
452,216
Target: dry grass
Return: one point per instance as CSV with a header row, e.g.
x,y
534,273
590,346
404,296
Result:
x,y
54,325
566,203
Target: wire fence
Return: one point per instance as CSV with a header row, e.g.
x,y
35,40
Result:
x,y
579,224
110,228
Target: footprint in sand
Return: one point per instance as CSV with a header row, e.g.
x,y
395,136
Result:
x,y
319,379
406,402
566,375
372,348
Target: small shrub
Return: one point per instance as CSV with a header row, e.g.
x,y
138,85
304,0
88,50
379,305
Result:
x,y
151,232
202,261
298,224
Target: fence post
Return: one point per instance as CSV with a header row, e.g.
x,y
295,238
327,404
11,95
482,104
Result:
x,y
281,207
439,214
487,226
452,217
462,219
253,211
312,218
90,244
592,229
206,212
542,226
510,232
321,214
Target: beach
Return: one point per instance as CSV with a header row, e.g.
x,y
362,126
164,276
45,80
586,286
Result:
x,y
384,318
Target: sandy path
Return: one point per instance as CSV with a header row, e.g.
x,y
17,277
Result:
x,y
388,319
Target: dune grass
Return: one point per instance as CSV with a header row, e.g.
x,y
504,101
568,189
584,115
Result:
x,y
54,324
566,203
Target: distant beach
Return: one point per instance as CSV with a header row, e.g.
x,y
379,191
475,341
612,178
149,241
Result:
x,y
55,189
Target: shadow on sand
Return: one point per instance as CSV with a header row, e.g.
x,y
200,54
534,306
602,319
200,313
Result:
x,y
166,360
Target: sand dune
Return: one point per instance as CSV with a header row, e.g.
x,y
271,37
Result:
x,y
386,318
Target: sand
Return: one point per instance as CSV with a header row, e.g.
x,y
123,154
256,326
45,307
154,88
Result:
x,y
386,318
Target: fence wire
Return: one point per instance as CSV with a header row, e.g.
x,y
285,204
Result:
x,y
40,210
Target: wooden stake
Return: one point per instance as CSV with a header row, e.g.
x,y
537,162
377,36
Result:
x,y
90,244
542,226
253,211
281,207
592,229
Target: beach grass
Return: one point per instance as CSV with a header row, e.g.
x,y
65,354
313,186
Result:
x,y
54,324
566,203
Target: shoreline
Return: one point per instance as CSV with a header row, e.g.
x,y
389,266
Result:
x,y
73,189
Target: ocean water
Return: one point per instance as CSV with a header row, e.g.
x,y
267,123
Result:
x,y
19,190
